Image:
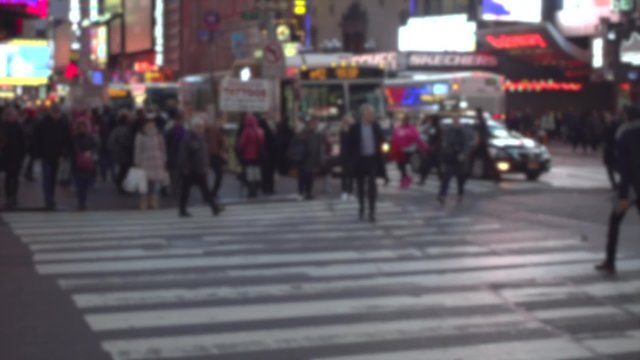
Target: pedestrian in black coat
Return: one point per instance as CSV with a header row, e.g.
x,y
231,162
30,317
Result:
x,y
628,164
52,140
269,161
609,154
13,151
365,141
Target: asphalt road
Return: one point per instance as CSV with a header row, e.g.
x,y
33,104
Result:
x,y
507,274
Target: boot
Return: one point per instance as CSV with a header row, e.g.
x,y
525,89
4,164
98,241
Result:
x,y
154,202
144,203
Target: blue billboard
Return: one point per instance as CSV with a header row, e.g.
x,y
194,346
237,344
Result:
x,y
25,62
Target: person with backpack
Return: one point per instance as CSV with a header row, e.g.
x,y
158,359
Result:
x,y
85,155
151,156
455,155
628,163
13,151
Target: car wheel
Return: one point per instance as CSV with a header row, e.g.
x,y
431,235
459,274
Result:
x,y
477,169
533,176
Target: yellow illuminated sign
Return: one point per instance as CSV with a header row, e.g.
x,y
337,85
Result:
x,y
118,93
16,81
318,74
347,73
300,7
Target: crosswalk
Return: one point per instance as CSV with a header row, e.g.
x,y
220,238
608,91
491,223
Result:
x,y
560,177
307,281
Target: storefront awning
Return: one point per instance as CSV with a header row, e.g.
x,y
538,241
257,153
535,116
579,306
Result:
x,y
540,44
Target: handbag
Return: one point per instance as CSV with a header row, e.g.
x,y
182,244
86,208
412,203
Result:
x,y
136,181
85,161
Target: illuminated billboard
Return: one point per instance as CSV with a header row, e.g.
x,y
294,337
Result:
x,y
138,21
98,39
33,7
113,6
25,62
580,18
529,11
458,34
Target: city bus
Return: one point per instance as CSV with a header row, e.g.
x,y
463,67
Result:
x,y
419,94
161,95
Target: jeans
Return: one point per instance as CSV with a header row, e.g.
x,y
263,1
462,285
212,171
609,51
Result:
x,y
615,221
402,166
305,183
453,170
49,179
83,181
366,176
106,167
217,165
199,180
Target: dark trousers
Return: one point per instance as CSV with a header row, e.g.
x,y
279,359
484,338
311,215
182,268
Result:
x,y
615,221
482,153
123,169
11,184
453,170
429,163
199,180
366,176
83,181
347,180
28,173
49,179
611,173
106,166
217,165
305,183
402,166
268,177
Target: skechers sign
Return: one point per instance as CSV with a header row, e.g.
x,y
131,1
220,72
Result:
x,y
441,60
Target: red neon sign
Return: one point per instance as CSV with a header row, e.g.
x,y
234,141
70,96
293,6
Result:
x,y
505,42
529,86
143,66
34,7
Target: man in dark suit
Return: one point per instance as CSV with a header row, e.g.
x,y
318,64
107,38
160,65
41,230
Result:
x,y
365,141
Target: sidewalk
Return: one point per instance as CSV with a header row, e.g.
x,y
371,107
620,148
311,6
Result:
x,y
103,195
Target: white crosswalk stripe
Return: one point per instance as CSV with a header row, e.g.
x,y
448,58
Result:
x,y
307,281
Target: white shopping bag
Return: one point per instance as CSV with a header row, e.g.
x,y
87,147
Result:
x,y
136,181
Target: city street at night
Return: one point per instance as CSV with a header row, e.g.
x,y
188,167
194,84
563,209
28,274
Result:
x,y
509,271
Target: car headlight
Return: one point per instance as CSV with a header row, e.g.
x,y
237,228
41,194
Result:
x,y
386,148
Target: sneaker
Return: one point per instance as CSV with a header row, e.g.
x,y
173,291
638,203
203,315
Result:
x,y
606,268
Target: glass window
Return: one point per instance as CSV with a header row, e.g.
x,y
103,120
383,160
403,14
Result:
x,y
325,101
366,94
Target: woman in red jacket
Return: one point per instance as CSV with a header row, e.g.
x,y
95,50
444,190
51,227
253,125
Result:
x,y
250,146
405,143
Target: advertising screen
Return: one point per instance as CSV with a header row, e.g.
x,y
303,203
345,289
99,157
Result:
x,y
34,7
138,25
113,6
529,11
460,34
98,37
582,17
25,62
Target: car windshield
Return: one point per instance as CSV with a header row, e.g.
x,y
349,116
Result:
x,y
497,130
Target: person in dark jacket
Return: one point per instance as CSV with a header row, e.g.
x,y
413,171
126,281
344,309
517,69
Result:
x,y
609,153
85,155
433,138
194,164
120,145
481,149
53,141
29,125
312,159
346,157
365,144
13,151
174,135
628,164
456,146
218,155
